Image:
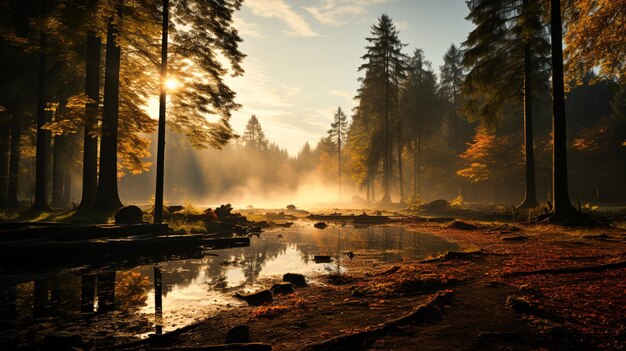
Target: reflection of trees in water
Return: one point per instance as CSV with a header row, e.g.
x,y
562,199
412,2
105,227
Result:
x,y
131,291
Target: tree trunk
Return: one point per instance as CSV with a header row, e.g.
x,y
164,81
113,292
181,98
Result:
x,y
530,198
339,159
160,166
563,209
5,146
400,173
43,136
90,143
107,197
58,170
14,162
386,164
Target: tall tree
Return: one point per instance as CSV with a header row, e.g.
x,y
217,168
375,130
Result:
x,y
563,210
507,48
337,133
419,109
107,197
383,61
253,136
158,193
452,77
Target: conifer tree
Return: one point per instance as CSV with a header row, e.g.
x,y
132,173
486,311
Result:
x,y
337,134
253,136
452,77
377,93
507,52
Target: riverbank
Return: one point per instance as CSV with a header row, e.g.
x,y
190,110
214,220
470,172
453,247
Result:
x,y
508,287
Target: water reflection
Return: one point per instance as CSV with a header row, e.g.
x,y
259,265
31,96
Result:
x,y
159,297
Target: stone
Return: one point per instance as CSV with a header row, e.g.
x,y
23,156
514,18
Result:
x,y
282,289
461,225
320,225
436,206
238,335
321,259
291,207
296,279
129,215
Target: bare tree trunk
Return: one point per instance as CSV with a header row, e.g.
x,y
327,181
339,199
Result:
x,y
530,198
14,162
107,198
5,147
43,136
90,139
563,209
160,166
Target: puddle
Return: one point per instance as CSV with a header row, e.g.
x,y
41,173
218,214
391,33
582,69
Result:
x,y
127,302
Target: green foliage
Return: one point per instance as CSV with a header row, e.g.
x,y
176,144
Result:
x,y
495,56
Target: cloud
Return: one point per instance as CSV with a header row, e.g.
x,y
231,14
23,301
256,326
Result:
x,y
248,29
281,10
344,94
332,12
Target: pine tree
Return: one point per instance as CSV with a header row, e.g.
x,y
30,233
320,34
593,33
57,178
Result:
x,y
507,52
253,136
337,134
420,109
452,77
384,60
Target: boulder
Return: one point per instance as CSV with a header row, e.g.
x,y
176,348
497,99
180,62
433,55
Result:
x,y
296,279
282,289
436,206
129,215
291,207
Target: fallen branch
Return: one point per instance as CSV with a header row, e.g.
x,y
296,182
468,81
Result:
x,y
253,346
587,269
426,312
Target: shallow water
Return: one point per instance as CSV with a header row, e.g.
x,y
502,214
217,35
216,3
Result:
x,y
131,302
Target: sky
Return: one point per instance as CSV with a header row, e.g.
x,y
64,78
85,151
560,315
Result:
x,y
303,56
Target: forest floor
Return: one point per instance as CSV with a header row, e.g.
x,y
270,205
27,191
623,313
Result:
x,y
509,288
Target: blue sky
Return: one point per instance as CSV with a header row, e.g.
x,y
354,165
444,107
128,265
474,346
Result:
x,y
303,55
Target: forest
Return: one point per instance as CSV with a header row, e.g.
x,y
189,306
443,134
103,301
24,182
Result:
x,y
119,162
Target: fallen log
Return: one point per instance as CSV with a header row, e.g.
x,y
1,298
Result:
x,y
423,313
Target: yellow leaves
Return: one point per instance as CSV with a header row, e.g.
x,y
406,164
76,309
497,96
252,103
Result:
x,y
596,37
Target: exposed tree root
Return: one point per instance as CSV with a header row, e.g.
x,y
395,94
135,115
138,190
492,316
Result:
x,y
424,313
596,268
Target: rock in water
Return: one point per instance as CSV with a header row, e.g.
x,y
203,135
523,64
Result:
x,y
282,289
321,259
238,335
129,215
320,225
257,298
295,278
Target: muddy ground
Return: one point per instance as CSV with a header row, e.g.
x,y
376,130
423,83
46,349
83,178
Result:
x,y
508,288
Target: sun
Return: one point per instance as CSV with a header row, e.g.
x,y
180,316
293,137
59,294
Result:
x,y
171,84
